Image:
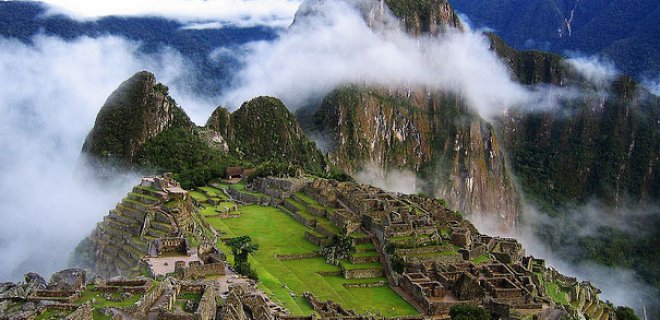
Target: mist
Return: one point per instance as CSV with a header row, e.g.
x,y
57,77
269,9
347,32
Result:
x,y
51,93
330,44
242,13
619,285
398,180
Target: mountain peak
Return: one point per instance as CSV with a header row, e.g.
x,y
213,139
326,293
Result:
x,y
139,109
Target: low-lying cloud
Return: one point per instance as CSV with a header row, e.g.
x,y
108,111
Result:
x,y
594,69
274,13
51,93
403,181
619,285
332,44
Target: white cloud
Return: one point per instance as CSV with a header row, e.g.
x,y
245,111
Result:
x,y
51,93
653,85
276,13
333,45
399,180
594,69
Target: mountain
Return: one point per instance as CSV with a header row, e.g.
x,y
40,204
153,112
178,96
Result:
x,y
455,153
140,127
623,31
601,146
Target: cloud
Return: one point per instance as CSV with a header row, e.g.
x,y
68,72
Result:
x,y
403,181
275,13
331,44
653,85
51,93
619,285
594,69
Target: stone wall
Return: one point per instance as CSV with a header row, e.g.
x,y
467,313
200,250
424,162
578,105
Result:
x,y
299,256
149,298
207,305
201,271
84,312
363,273
317,240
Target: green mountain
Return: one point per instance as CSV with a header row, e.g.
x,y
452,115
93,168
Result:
x,y
142,128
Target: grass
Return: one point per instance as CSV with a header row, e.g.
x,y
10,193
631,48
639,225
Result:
x,y
481,259
285,281
214,193
557,295
200,197
311,202
362,266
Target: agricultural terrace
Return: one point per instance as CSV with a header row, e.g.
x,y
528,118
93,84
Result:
x,y
278,234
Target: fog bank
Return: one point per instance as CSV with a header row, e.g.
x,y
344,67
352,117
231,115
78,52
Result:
x,y
51,93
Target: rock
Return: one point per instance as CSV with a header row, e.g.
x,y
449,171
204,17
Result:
x,y
30,306
33,278
6,286
126,296
68,280
190,306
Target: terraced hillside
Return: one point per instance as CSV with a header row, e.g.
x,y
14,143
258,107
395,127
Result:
x,y
407,256
289,264
127,234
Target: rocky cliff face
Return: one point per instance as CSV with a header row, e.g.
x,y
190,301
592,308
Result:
x,y
600,145
455,153
137,111
425,16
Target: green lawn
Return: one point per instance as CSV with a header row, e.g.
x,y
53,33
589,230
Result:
x,y
481,259
214,193
278,233
200,197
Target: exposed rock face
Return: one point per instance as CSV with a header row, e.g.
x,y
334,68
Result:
x,y
425,17
138,110
431,133
68,280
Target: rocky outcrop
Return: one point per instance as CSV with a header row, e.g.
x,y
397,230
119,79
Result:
x,y
431,133
425,17
137,111
456,154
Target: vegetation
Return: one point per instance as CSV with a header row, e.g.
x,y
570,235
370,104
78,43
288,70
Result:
x,y
468,312
339,249
625,313
285,280
241,247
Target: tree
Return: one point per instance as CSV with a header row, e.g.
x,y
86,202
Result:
x,y
339,249
625,313
468,312
241,247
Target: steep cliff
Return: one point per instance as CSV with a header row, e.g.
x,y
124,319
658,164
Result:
x,y
455,153
135,112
